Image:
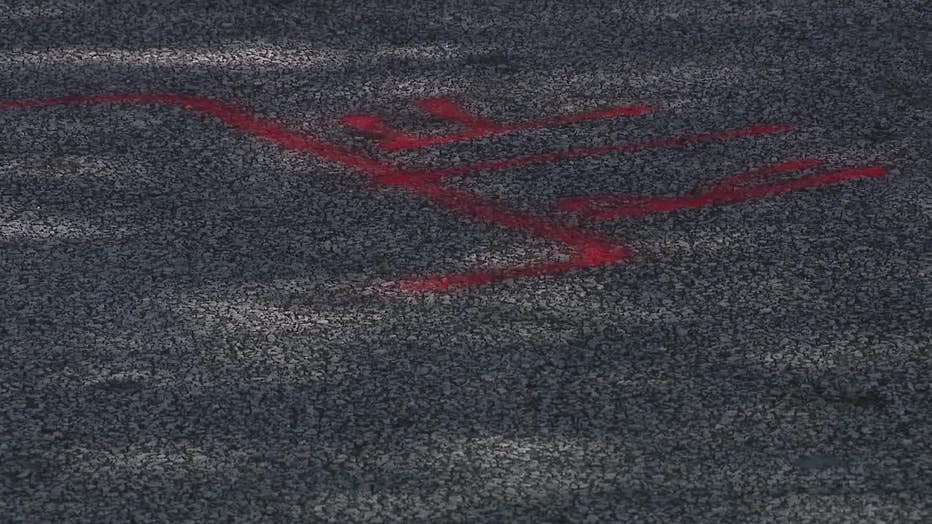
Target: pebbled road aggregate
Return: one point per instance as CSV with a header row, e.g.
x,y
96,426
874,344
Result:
x,y
195,324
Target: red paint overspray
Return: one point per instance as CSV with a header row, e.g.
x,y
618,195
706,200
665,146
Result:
x,y
587,249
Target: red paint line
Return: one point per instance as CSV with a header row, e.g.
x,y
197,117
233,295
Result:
x,y
476,126
451,111
373,125
436,174
594,208
742,178
479,128
595,204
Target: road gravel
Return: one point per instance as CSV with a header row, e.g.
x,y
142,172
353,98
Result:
x,y
197,324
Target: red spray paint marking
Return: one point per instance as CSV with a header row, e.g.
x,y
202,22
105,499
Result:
x,y
446,109
587,249
682,140
731,189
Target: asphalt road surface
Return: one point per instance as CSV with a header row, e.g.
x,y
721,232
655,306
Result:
x,y
481,262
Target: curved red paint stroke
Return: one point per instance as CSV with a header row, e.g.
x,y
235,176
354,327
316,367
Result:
x,y
588,250
731,189
447,109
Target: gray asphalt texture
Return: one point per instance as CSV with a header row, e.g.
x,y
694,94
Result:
x,y
193,328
